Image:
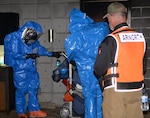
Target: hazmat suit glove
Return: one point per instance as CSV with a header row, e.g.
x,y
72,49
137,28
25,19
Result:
x,y
56,54
33,56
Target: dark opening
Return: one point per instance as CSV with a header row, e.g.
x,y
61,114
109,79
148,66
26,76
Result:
x,y
96,9
9,22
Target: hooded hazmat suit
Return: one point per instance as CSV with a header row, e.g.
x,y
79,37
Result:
x,y
26,78
81,46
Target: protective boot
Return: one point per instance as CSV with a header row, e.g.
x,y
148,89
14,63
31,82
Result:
x,y
38,113
22,116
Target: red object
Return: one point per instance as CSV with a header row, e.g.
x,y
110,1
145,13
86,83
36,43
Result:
x,y
38,113
68,97
66,82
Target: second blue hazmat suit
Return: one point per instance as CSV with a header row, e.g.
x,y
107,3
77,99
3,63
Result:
x,y
81,46
20,51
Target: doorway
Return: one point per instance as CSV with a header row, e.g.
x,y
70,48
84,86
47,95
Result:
x,y
96,9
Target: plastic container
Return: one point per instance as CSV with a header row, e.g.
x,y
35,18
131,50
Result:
x,y
144,101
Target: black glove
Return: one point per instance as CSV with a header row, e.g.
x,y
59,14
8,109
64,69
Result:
x,y
56,54
33,56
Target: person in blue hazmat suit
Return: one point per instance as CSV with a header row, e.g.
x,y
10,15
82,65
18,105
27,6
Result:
x,y
81,46
21,48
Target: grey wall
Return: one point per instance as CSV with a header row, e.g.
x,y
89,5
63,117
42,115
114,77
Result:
x,y
140,20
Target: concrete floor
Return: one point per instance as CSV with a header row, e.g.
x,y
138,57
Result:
x,y
147,114
52,113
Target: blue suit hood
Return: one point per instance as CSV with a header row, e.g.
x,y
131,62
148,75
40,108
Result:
x,y
78,20
33,25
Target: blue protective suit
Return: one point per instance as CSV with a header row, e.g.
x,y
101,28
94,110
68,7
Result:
x,y
82,46
26,78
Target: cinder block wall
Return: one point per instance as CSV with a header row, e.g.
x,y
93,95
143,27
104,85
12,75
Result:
x,y
140,20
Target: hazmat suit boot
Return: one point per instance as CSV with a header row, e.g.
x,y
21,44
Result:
x,y
38,113
22,116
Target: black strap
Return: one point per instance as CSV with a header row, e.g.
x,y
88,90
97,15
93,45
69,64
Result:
x,y
113,65
124,85
109,76
129,85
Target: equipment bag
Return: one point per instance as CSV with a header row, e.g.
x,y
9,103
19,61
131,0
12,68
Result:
x,y
78,104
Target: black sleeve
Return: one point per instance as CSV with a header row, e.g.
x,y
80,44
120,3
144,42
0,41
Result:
x,y
105,56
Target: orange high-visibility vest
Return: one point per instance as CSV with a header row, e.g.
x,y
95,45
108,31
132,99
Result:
x,y
126,72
